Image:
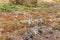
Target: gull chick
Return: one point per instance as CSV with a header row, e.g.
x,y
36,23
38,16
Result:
x,y
40,21
31,22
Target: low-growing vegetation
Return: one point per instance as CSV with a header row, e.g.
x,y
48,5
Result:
x,y
8,8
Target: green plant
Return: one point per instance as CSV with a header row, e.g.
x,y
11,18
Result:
x,y
8,8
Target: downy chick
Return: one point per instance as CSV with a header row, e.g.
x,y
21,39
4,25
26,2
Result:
x,y
40,21
31,22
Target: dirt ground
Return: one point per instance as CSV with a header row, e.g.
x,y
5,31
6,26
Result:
x,y
17,21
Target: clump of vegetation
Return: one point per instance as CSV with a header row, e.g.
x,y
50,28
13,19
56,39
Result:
x,y
8,8
31,3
